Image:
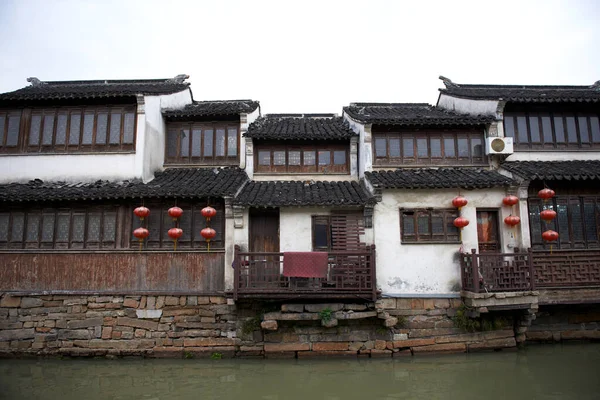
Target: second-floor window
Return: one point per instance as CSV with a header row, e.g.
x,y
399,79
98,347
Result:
x,y
429,226
304,159
202,143
539,130
428,148
68,129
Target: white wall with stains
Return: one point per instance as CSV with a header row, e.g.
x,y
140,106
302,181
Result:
x,y
408,268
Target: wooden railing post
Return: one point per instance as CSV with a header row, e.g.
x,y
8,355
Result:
x,y
475,270
373,274
236,271
531,271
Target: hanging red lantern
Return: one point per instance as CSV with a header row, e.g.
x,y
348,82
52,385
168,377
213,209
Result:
x,y
546,194
141,234
208,212
512,220
141,212
175,212
548,215
459,201
175,233
550,236
510,200
461,222
208,234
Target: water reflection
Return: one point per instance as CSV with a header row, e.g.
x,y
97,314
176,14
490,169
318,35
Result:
x,y
539,372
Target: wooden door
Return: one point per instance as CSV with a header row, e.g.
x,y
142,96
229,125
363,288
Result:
x,y
487,231
264,230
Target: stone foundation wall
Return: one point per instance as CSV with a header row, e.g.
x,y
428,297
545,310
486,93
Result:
x,y
204,326
555,323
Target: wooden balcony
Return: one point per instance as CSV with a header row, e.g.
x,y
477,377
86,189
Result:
x,y
531,270
350,274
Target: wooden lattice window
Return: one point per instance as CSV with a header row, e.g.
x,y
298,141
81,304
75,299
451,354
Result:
x,y
429,226
560,129
435,147
202,143
94,227
192,222
338,232
302,158
577,222
68,129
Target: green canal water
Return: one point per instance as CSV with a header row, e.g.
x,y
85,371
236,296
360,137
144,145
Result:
x,y
570,371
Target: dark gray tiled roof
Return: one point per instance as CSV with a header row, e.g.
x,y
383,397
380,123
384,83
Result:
x,y
94,89
554,170
217,107
430,178
525,93
299,127
411,114
298,193
176,182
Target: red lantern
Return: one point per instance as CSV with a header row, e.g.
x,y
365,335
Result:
x,y
548,215
459,201
510,200
512,220
208,234
208,212
175,212
175,233
550,236
141,233
546,194
141,212
461,222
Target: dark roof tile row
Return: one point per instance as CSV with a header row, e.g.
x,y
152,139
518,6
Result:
x,y
411,114
94,89
297,193
525,93
555,170
213,108
299,128
183,182
431,178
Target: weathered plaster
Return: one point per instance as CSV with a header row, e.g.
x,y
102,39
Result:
x,y
468,106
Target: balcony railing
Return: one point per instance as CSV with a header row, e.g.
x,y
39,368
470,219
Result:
x,y
523,271
349,274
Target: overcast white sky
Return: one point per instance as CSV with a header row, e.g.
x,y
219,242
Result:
x,y
303,56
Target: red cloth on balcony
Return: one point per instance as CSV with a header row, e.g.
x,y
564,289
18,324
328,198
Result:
x,y
309,264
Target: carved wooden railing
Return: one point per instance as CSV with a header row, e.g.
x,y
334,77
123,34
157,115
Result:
x,y
566,268
349,273
497,272
521,271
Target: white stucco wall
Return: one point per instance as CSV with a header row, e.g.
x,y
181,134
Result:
x,y
408,269
468,106
365,153
307,177
553,155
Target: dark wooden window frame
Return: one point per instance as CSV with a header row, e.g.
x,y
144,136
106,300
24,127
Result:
x,y
37,136
33,227
450,233
192,222
576,229
319,165
555,130
343,231
176,131
397,155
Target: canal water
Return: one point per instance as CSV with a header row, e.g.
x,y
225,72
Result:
x,y
570,371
